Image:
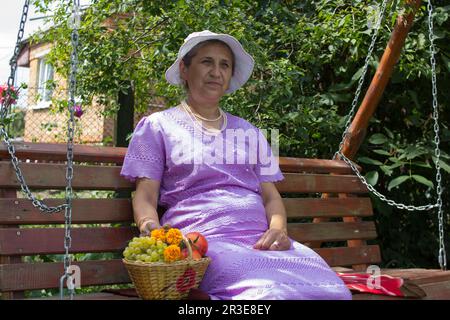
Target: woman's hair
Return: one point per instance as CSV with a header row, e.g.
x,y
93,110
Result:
x,y
187,59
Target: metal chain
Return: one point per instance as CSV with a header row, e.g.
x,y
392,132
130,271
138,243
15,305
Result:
x,y
363,75
381,196
25,189
70,133
4,111
442,255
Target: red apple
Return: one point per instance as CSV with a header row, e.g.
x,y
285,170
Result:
x,y
198,242
195,254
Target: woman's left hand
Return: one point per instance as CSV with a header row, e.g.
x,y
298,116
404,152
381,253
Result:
x,y
273,239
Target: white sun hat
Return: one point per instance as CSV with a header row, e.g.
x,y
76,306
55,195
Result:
x,y
243,62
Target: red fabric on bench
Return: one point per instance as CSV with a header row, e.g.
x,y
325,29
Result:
x,y
381,284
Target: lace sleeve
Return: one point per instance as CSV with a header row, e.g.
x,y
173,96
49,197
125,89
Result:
x,y
145,157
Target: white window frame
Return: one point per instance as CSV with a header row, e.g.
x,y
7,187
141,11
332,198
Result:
x,y
45,72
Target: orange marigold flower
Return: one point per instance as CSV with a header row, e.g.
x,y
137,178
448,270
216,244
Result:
x,y
174,236
172,253
158,234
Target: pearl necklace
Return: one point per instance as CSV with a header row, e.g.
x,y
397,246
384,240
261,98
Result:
x,y
195,114
199,124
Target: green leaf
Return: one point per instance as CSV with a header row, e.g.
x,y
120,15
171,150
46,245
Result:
x,y
421,164
442,164
370,161
389,133
378,138
395,165
372,177
413,152
382,152
397,181
358,74
387,171
423,180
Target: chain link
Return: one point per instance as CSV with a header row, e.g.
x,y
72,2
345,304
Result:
x,y
442,255
70,134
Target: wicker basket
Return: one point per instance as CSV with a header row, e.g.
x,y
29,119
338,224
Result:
x,y
167,281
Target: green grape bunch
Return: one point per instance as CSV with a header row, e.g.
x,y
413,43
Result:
x,y
145,249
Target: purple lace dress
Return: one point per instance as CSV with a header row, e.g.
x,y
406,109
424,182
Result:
x,y
211,184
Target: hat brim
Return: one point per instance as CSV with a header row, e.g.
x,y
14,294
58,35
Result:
x,y
243,67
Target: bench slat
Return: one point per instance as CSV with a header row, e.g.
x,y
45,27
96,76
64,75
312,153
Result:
x,y
58,152
332,231
328,207
313,183
348,256
29,241
31,276
21,211
15,241
53,176
420,276
289,164
84,153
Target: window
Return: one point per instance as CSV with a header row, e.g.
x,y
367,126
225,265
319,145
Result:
x,y
44,85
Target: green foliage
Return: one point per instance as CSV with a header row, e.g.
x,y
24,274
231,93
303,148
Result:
x,y
15,122
308,57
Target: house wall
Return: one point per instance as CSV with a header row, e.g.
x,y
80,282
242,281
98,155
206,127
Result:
x,y
42,125
48,125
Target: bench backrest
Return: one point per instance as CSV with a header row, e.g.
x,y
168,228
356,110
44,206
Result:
x,y
335,224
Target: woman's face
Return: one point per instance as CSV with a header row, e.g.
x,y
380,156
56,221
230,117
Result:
x,y
209,74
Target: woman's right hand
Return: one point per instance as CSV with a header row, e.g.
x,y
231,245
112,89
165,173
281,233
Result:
x,y
147,228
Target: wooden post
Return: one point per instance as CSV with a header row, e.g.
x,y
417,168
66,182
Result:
x,y
358,128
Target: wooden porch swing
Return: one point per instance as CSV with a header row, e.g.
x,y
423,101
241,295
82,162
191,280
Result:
x,y
344,199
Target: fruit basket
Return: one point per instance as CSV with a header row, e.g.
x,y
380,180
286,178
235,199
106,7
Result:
x,y
163,280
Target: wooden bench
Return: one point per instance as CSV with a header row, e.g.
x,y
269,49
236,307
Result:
x,y
105,225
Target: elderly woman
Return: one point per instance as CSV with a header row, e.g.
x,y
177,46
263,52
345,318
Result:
x,y
214,174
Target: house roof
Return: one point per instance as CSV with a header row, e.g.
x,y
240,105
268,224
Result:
x,y
23,59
